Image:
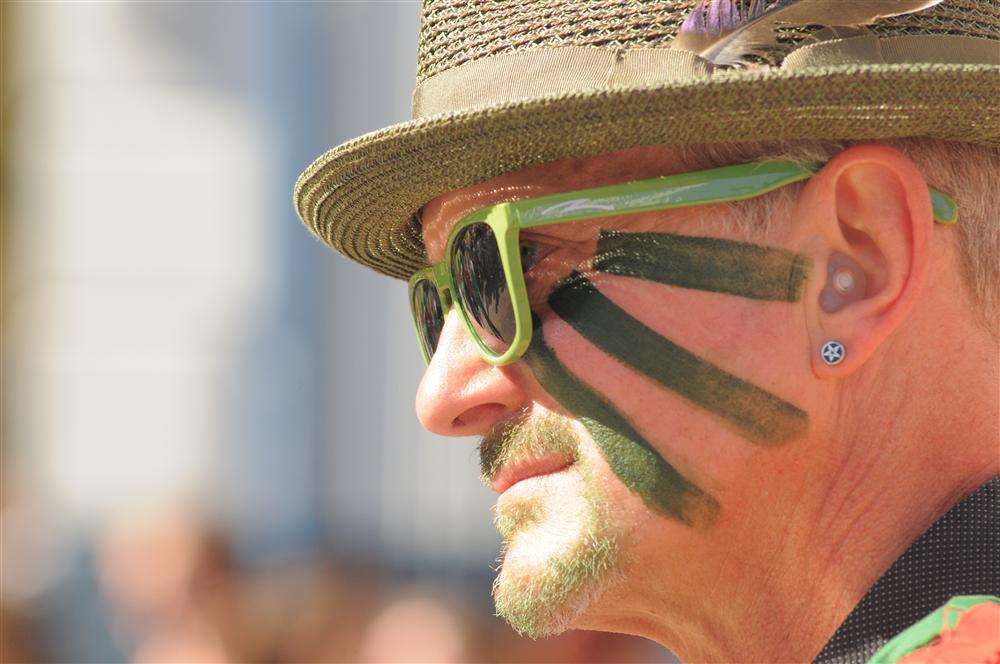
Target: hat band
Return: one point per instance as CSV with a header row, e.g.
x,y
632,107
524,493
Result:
x,y
539,72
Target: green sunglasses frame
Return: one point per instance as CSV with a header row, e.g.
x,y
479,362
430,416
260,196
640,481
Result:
x,y
716,185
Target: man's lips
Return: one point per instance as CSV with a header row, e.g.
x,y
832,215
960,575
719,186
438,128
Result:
x,y
521,470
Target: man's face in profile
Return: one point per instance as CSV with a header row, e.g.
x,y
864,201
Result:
x,y
626,446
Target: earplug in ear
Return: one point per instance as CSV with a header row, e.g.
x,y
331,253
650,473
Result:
x,y
845,283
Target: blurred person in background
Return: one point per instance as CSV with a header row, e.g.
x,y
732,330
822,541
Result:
x,y
170,373
738,398
171,584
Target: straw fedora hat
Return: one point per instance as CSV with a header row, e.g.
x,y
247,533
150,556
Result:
x,y
504,84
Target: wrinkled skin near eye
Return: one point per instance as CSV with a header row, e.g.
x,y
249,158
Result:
x,y
551,259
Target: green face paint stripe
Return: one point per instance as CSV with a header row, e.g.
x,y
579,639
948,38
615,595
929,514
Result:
x,y
704,263
630,456
754,413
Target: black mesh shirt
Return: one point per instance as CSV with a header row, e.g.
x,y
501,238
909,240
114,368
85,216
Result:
x,y
958,555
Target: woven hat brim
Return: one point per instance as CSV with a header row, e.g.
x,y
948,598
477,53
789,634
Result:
x,y
360,197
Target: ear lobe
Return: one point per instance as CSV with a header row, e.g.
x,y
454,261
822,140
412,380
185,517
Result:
x,y
874,207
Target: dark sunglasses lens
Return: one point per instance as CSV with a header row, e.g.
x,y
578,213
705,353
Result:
x,y
482,286
428,314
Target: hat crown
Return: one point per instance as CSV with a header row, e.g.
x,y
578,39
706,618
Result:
x,y
504,85
455,32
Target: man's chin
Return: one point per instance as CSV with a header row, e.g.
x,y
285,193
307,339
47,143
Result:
x,y
556,564
546,600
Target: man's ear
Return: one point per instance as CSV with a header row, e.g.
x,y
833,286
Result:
x,y
871,205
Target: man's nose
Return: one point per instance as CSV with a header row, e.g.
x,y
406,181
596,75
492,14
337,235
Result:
x,y
461,394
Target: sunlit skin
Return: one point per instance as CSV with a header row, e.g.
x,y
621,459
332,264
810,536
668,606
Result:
x,y
897,433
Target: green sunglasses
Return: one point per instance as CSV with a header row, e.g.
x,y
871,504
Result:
x,y
482,266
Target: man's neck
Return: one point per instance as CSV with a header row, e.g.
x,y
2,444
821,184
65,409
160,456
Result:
x,y
897,476
785,603
789,612
956,556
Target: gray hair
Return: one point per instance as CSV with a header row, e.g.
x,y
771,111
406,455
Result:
x,y
967,172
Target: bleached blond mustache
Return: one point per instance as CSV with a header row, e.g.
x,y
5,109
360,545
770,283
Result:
x,y
524,436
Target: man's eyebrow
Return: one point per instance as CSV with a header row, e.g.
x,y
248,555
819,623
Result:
x,y
476,200
472,201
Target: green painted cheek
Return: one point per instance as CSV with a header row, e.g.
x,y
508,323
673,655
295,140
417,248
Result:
x,y
629,455
754,413
710,264
703,263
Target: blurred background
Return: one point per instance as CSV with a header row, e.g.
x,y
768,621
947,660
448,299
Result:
x,y
209,447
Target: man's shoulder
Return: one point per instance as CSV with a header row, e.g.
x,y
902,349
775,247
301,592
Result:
x,y
965,629
957,556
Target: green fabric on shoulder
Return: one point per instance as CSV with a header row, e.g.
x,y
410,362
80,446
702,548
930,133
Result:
x,y
923,632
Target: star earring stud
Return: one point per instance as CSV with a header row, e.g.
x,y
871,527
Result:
x,y
833,353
